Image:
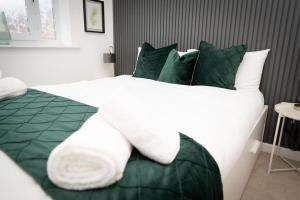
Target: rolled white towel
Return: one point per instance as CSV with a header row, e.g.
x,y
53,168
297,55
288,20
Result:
x,y
94,156
146,129
11,87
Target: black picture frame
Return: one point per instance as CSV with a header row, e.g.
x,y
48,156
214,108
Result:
x,y
86,14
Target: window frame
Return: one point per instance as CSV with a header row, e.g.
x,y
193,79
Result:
x,y
34,23
63,30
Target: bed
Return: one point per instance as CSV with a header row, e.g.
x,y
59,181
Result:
x,y
233,123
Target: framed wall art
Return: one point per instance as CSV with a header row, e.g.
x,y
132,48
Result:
x,y
94,16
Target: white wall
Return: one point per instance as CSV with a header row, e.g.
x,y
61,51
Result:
x,y
38,66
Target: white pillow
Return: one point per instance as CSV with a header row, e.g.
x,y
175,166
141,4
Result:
x,y
139,50
181,53
250,70
11,87
192,50
137,57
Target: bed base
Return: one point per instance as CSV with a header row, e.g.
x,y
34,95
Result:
x,y
233,184
236,181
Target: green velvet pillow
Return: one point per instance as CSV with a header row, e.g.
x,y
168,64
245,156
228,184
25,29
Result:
x,y
218,67
178,69
151,61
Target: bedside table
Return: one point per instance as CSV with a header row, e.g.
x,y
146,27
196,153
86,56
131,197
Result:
x,y
284,110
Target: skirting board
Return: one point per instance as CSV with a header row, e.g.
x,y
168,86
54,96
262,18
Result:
x,y
285,152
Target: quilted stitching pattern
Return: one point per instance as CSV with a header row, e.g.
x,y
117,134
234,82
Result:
x,y
178,70
151,61
218,67
33,124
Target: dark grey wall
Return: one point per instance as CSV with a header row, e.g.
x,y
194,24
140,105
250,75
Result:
x,y
261,24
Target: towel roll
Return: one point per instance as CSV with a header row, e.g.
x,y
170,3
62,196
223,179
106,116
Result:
x,y
11,87
94,156
148,130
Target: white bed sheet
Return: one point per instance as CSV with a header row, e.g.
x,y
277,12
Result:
x,y
219,119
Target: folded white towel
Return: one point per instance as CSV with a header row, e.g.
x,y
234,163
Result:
x,y
152,135
11,87
94,156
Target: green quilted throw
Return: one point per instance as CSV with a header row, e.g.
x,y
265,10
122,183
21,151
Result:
x,y
33,124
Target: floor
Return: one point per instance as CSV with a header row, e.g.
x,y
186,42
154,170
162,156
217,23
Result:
x,y
274,186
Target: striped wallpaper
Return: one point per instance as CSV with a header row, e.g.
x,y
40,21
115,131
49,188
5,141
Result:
x,y
261,24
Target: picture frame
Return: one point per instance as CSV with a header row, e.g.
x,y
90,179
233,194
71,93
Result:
x,y
94,20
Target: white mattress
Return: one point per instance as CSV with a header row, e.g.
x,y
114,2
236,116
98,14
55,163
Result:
x,y
219,119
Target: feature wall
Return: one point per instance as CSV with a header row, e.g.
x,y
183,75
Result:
x,y
261,24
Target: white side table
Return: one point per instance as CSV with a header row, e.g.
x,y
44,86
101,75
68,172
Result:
x,y
284,110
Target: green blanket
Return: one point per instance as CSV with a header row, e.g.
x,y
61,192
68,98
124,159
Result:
x,y
33,124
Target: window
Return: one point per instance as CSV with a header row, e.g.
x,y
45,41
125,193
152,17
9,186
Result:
x,y
30,19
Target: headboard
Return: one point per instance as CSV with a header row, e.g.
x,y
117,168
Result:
x,y
261,24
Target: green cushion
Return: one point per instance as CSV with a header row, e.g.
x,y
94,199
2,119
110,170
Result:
x,y
151,61
218,67
178,69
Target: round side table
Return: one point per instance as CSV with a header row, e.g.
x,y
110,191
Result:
x,y
284,110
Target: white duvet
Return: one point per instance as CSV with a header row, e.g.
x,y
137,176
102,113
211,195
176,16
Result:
x,y
219,119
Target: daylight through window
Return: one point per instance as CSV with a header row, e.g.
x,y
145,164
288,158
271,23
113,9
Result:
x,y
30,19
